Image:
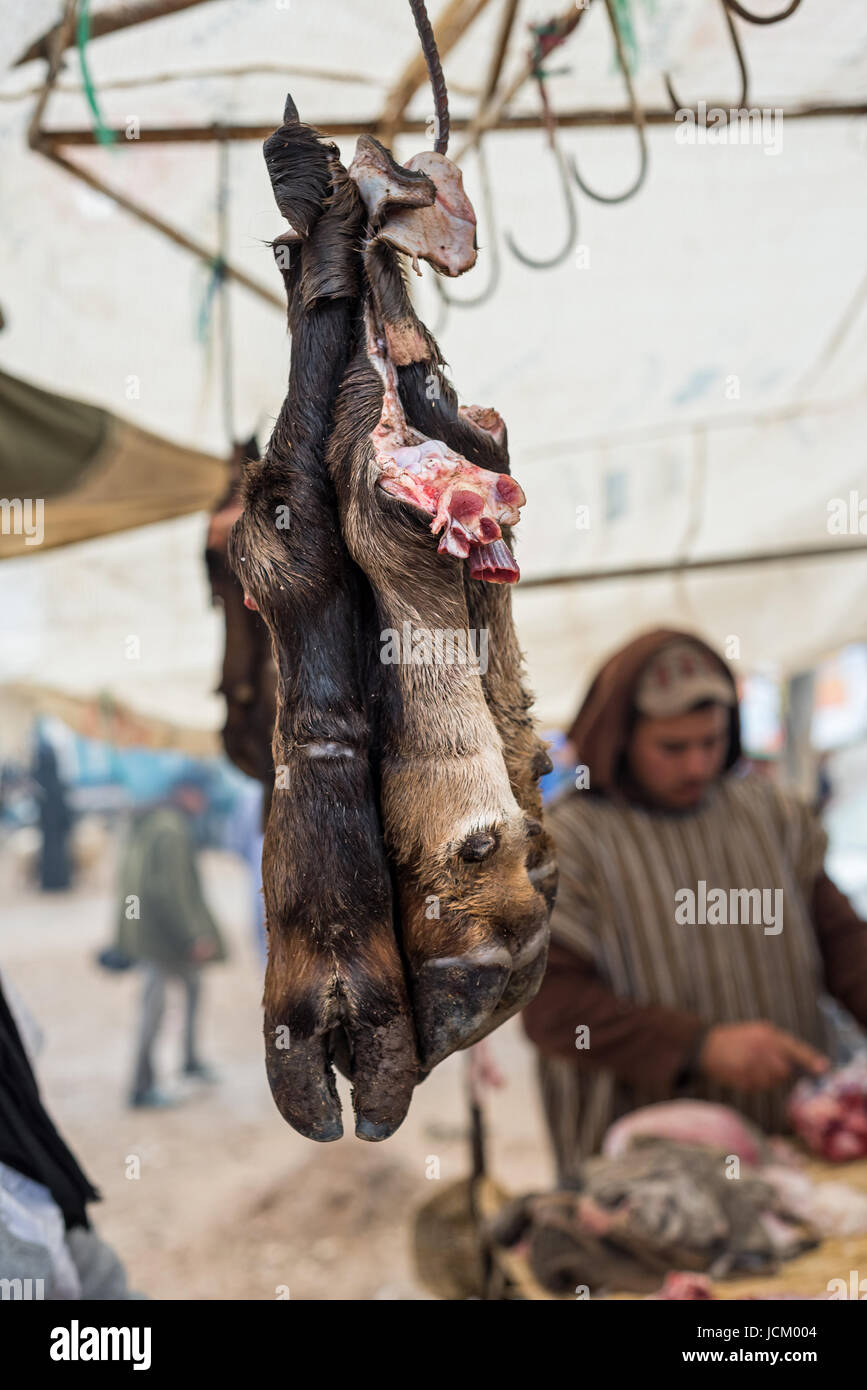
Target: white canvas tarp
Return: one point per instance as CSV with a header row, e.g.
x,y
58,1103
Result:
x,y
690,383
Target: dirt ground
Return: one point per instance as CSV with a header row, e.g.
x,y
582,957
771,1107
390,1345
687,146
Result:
x,y
230,1203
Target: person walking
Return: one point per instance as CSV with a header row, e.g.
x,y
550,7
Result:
x,y
167,928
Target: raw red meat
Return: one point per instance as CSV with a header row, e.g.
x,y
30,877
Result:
x,y
830,1114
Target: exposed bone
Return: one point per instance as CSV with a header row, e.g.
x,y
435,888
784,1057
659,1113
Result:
x,y
469,505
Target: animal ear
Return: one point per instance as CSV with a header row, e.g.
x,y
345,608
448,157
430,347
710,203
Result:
x,y
383,183
290,112
297,164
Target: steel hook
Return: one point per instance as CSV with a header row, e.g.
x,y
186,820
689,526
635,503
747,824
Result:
x,y
744,99
571,213
487,199
762,18
638,119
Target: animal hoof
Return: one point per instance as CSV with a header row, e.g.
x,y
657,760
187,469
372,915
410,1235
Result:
x,y
303,1086
454,995
383,1071
528,967
366,1129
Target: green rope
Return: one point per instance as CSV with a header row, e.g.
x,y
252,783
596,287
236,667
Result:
x,y
101,130
623,10
206,306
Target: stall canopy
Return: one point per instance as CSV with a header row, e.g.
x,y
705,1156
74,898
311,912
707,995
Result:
x,y
93,473
686,392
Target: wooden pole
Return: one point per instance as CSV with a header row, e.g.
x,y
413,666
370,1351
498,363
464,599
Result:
x,y
42,144
151,220
600,118
103,22
718,562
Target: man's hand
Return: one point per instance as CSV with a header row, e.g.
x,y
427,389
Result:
x,y
756,1056
202,949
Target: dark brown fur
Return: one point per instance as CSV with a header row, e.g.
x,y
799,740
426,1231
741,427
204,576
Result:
x,y
456,837
431,406
333,957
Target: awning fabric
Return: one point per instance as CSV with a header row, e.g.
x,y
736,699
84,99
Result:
x,y
690,383
93,473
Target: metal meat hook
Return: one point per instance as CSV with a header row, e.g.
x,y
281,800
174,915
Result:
x,y
762,18
638,119
546,263
744,99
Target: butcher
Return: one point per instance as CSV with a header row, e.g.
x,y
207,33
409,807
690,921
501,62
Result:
x,y
695,927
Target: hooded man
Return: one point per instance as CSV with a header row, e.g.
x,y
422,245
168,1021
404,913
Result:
x,y
695,927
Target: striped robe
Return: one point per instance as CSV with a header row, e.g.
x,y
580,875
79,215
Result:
x,y
620,869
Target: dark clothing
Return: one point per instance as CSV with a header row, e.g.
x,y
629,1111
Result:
x,y
55,821
162,909
162,912
29,1143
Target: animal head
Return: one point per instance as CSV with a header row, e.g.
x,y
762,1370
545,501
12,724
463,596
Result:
x,y
257,541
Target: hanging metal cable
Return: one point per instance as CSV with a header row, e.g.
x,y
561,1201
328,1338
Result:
x,y
435,71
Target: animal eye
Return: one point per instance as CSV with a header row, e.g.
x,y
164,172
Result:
x,y
478,846
532,827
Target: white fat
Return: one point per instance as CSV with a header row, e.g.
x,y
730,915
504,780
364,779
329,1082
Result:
x,y
530,949
485,955
329,750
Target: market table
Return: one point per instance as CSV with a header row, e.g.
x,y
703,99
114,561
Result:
x,y
809,1273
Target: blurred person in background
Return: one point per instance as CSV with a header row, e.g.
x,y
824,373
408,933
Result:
x,y
642,1002
166,927
55,819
